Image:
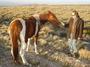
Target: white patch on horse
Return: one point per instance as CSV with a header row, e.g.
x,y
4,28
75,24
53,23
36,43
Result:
x,y
36,16
23,44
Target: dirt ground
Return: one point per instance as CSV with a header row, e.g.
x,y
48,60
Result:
x,y
51,55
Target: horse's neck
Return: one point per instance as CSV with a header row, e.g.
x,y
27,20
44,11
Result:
x,y
43,18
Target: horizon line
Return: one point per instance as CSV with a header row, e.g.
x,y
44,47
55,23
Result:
x,y
44,4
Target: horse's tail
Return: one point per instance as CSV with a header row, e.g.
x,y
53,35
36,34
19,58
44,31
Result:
x,y
14,42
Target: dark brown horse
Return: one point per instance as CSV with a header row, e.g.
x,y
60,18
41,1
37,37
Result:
x,y
21,30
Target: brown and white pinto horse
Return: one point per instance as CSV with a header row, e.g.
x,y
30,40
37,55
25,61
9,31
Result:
x,y
21,30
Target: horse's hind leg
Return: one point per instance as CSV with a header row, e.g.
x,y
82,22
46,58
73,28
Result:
x,y
23,49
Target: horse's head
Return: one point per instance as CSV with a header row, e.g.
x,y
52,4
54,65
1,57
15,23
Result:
x,y
53,19
75,13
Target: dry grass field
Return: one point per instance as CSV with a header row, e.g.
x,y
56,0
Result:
x,y
52,44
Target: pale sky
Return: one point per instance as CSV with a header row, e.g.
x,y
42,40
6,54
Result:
x,y
6,2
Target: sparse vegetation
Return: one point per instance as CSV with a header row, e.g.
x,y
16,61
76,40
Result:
x,y
52,47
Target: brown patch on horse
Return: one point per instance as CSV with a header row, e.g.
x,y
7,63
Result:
x,y
30,27
15,28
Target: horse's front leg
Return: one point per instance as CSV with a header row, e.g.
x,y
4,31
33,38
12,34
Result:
x,y
35,44
28,44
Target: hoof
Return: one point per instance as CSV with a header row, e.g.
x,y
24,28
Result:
x,y
78,60
27,50
37,53
27,64
17,62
